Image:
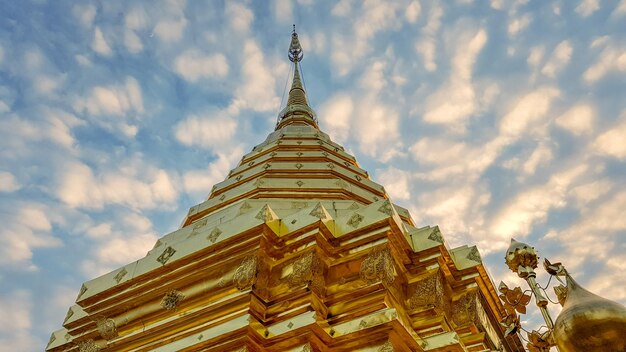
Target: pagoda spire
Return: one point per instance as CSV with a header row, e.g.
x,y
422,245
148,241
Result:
x,y
297,110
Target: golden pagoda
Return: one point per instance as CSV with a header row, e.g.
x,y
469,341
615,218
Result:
x,y
297,250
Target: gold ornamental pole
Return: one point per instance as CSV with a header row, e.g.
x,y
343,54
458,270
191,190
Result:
x,y
522,259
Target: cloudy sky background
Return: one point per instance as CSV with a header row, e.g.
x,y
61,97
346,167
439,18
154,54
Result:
x,y
491,119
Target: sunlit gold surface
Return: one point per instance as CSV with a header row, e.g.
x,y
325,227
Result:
x,y
296,250
589,322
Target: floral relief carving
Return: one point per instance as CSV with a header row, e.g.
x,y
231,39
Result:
x,y
378,266
429,292
386,347
88,346
463,310
307,269
106,328
246,272
172,299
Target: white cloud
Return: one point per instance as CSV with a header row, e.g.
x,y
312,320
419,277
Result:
x,y
316,43
8,183
612,142
193,65
443,151
577,120
15,321
528,111
201,181
455,101
336,115
283,11
517,217
457,209
54,125
59,125
374,77
100,44
609,282
413,11
373,17
591,191
82,60
396,182
452,104
496,4
342,8
240,16
34,59
593,236
46,85
136,19
85,14
124,101
206,131
539,157
535,56
450,159
587,7
4,107
559,59
128,237
620,9
528,165
426,45
257,90
611,58
341,112
170,30
426,48
27,227
383,141
133,185
132,41
121,250
517,25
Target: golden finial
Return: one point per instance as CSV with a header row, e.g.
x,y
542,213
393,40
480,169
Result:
x,y
295,50
297,110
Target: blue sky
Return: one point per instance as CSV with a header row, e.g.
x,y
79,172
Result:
x,y
491,119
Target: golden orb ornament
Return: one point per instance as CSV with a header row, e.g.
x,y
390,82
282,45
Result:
x,y
589,322
521,258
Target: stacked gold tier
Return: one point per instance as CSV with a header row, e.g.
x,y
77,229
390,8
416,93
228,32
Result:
x,y
297,250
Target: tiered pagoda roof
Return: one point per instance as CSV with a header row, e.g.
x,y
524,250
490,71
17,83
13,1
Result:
x,y
296,250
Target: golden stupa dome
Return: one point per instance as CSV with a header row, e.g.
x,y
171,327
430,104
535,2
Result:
x,y
589,322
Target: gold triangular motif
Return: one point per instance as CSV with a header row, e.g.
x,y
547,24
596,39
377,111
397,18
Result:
x,y
265,214
319,212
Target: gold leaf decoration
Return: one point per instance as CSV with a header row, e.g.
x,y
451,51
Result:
x,y
120,275
106,328
246,272
172,299
88,346
214,235
166,255
306,270
378,266
355,220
